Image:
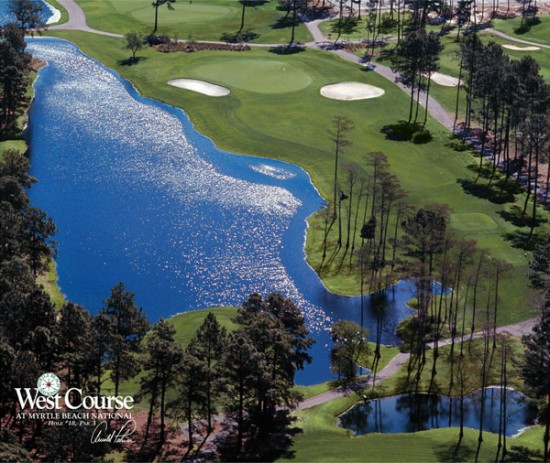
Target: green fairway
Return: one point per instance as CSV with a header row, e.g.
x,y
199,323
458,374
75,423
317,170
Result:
x,y
468,221
260,75
199,19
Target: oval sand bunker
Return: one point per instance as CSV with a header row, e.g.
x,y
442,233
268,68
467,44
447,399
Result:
x,y
444,79
351,91
516,48
199,86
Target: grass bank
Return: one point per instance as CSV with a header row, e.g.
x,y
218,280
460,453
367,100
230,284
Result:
x,y
323,441
297,133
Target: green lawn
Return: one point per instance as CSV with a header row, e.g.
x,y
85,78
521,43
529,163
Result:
x,y
294,129
537,33
49,281
186,324
199,19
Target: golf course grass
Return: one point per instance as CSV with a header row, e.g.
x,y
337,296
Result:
x,y
17,145
537,33
199,19
298,133
271,76
322,441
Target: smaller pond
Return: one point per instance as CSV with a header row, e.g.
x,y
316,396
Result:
x,y
421,412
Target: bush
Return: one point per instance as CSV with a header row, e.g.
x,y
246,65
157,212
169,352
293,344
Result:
x,y
457,145
153,40
200,46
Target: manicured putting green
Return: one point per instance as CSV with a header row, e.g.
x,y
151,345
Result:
x,y
472,221
254,74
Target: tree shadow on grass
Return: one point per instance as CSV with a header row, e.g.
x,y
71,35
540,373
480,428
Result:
x,y
522,453
402,131
524,240
285,22
131,61
274,445
455,452
239,36
492,192
253,3
516,217
290,49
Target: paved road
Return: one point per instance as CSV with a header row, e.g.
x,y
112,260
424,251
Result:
x,y
77,20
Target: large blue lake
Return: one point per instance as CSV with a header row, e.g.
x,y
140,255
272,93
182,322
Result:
x,y
139,196
48,12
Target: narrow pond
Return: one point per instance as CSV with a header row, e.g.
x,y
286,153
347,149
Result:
x,y
139,196
421,412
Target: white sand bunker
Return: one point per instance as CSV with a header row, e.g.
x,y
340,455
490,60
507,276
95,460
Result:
x,y
515,47
444,79
199,86
351,91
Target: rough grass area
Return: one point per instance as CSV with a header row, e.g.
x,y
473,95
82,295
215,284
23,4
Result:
x,y
199,19
297,133
17,145
48,280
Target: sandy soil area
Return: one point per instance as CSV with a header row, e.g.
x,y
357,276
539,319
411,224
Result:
x,y
351,91
199,86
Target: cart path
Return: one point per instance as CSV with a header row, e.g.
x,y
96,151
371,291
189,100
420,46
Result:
x,y
517,329
77,20
515,39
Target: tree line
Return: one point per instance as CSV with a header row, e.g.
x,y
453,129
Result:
x,y
242,379
508,113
